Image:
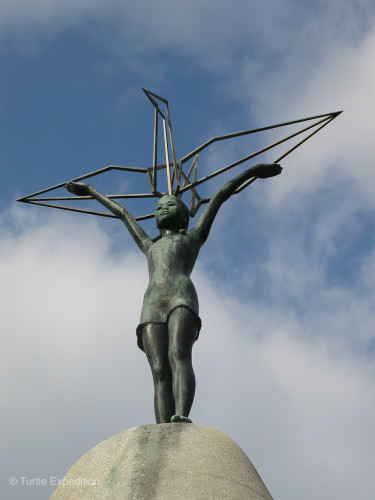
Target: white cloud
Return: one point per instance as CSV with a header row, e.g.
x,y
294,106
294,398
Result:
x,y
340,78
300,406
48,15
217,34
297,402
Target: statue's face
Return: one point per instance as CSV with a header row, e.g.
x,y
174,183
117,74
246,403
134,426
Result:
x,y
169,213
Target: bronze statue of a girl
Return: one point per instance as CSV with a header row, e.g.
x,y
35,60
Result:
x,y
170,322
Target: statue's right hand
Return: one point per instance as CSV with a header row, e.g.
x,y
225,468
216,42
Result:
x,y
78,188
264,170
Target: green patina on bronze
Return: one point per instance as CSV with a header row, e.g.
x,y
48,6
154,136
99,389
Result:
x,y
170,323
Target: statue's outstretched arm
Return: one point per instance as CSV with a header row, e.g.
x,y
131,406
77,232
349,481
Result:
x,y
139,235
262,170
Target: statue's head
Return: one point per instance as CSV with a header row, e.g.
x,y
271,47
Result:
x,y
171,213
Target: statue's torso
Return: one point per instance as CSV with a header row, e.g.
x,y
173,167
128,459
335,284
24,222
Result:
x,y
170,260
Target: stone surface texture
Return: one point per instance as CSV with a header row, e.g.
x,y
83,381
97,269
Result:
x,y
164,462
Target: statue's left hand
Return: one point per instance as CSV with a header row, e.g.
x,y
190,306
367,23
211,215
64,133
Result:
x,y
78,188
264,170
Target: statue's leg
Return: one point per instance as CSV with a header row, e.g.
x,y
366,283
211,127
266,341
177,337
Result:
x,y
155,343
182,332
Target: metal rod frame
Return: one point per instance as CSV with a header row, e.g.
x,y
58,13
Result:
x,y
174,178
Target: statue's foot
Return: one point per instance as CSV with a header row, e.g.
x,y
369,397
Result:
x,y
180,418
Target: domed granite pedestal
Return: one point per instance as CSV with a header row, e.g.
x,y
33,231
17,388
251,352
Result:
x,y
164,462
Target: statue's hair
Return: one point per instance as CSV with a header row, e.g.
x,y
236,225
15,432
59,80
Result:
x,y
186,214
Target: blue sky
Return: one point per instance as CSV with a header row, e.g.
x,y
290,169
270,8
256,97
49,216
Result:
x,y
285,361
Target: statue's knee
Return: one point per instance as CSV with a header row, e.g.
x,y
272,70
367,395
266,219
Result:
x,y
178,355
160,372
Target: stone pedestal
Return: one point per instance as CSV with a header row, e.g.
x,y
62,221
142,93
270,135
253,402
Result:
x,y
164,462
